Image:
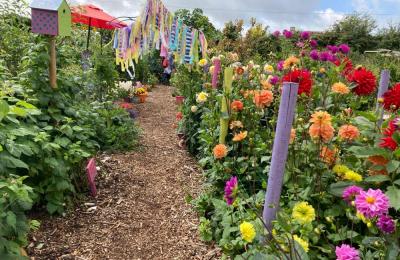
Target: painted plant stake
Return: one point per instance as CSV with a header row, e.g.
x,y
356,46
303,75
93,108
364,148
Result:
x,y
217,70
383,87
280,151
224,120
91,172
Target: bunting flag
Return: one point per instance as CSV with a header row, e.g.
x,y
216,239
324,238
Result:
x,y
157,28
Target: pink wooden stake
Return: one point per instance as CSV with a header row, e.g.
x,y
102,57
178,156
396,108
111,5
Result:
x,y
217,70
91,173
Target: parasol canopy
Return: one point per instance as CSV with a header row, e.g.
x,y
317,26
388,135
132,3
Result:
x,y
95,16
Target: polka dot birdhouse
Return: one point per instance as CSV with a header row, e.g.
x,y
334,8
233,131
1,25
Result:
x,y
51,17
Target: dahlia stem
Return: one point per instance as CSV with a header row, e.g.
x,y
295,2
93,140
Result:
x,y
383,87
280,151
224,119
217,70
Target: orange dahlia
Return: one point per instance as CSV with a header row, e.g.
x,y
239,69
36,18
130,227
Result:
x,y
348,132
340,88
321,118
237,105
220,151
240,136
324,132
328,155
263,98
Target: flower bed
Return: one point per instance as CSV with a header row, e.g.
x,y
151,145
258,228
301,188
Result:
x,y
341,184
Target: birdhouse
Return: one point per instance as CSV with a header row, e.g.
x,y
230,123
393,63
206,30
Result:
x,y
51,17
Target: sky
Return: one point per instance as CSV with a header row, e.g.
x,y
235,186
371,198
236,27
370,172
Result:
x,y
313,15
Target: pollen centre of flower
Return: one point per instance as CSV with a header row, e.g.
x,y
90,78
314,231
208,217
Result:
x,y
370,200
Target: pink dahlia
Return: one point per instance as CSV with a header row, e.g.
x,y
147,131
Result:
x,y
350,193
313,43
386,224
372,203
231,188
279,66
346,252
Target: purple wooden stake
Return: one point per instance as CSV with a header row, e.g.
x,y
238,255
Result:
x,y
383,87
217,70
91,173
280,151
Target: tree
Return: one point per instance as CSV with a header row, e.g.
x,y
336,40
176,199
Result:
x,y
355,29
198,20
389,37
231,36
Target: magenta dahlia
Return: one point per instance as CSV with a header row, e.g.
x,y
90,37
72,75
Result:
x,y
372,203
346,252
231,188
386,224
350,193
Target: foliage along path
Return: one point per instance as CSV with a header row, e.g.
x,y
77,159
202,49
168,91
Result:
x,y
141,210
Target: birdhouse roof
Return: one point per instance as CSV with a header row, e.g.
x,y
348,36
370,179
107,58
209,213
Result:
x,y
51,5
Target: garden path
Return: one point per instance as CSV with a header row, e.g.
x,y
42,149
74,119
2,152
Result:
x,y
141,210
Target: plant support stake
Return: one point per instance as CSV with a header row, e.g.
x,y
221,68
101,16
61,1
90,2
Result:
x,y
52,63
383,87
280,151
224,119
217,69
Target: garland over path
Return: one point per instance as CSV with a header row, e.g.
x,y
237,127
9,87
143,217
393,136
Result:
x,y
141,210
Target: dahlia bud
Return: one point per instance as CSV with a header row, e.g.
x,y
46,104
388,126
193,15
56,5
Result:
x,y
322,70
317,231
380,100
193,109
348,111
329,219
369,224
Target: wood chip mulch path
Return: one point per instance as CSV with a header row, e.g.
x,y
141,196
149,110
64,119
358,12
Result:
x,y
140,211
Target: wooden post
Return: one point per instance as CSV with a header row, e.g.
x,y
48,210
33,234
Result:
x,y
280,151
52,63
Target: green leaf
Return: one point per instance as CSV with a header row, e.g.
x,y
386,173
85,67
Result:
x,y
25,104
394,197
337,188
392,166
1,148
4,108
369,151
18,111
367,115
12,162
377,178
392,251
11,219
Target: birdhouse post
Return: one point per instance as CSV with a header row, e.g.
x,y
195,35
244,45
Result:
x,y
53,18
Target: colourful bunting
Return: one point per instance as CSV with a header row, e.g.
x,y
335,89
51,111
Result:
x,y
157,28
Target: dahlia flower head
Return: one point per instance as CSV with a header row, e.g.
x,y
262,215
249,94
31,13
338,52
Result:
x,y
231,187
372,203
346,252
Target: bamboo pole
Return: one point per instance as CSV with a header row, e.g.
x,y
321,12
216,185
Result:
x,y
52,63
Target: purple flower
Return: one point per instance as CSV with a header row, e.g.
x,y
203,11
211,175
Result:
x,y
300,44
386,224
334,49
287,34
324,56
372,203
276,34
231,187
346,252
332,58
350,193
305,35
313,43
314,55
274,80
279,66
344,48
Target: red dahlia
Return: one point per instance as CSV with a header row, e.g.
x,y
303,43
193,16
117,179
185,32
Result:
x,y
303,77
388,140
364,80
391,99
348,66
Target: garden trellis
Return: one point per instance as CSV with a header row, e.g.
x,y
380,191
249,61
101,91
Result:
x,y
158,28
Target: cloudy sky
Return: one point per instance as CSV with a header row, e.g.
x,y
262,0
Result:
x,y
278,14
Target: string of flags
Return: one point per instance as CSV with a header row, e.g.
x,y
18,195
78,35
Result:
x,y
157,28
